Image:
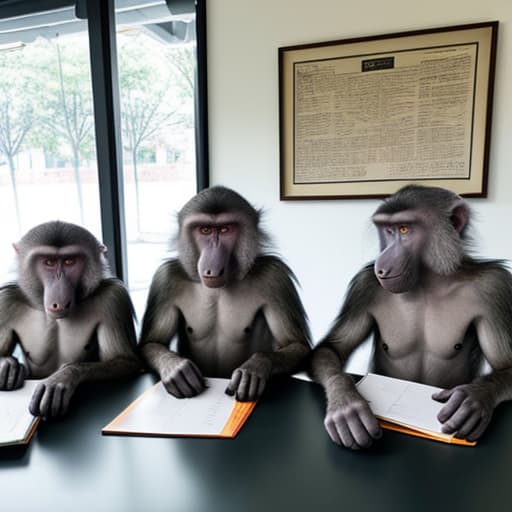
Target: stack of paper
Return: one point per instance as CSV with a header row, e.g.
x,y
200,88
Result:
x,y
17,425
406,407
157,413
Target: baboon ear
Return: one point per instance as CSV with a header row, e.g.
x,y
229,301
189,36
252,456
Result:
x,y
460,215
16,248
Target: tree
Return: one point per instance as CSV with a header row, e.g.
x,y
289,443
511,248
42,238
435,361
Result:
x,y
149,102
66,103
182,60
16,114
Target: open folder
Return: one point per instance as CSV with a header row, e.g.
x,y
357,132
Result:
x,y
157,413
17,425
406,406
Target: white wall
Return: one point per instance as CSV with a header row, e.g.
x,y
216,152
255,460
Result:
x,y
326,242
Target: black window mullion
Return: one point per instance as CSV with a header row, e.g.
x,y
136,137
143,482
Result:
x,y
103,54
201,100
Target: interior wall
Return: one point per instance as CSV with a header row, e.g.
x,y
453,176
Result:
x,y
326,242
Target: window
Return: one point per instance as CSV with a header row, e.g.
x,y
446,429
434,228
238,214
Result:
x,y
101,129
156,55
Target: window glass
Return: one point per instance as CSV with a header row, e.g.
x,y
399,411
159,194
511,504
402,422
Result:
x,y
156,58
47,147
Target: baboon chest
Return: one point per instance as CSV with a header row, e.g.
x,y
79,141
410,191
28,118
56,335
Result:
x,y
220,328
417,334
48,344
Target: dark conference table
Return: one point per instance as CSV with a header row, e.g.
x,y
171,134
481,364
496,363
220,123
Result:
x,y
282,460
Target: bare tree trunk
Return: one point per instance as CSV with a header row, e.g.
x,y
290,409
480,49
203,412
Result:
x,y
136,181
78,180
12,172
76,151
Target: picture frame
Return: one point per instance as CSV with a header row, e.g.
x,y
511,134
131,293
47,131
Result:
x,y
362,117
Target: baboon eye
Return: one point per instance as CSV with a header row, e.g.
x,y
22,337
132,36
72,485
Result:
x,y
69,261
50,262
205,230
224,229
403,230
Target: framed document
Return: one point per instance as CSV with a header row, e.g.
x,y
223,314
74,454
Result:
x,y
363,117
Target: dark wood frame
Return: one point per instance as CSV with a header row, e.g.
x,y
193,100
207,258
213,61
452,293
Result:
x,y
290,55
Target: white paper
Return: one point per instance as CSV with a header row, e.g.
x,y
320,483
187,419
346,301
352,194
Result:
x,y
15,418
158,412
402,401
